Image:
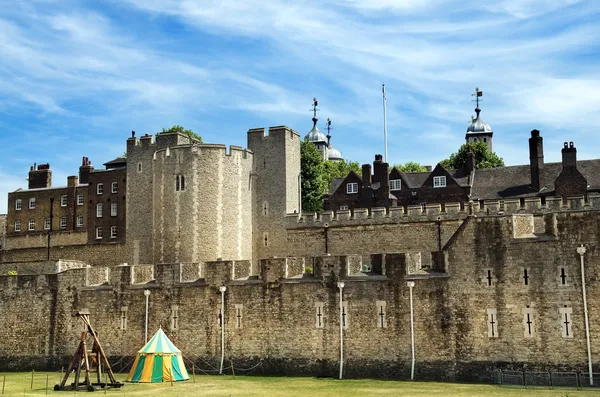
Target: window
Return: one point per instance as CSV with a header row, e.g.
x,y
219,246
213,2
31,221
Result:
x,y
79,221
47,224
80,199
63,222
17,226
174,317
352,188
343,208
395,184
179,183
238,316
113,187
31,225
63,200
124,318
18,204
98,233
99,189
565,320
492,320
113,232
139,167
439,181
528,323
381,320
113,209
319,321
99,210
525,277
562,276
32,203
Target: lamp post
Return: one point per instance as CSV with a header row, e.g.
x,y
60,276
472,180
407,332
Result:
x,y
147,295
581,251
411,284
341,285
222,289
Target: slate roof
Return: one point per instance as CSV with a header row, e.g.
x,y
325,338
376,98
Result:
x,y
515,181
118,162
335,183
416,179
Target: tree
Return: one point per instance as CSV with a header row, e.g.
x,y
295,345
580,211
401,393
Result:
x,y
312,175
339,169
483,158
178,128
410,166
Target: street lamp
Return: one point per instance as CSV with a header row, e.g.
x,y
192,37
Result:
x,y
147,295
581,251
222,289
411,284
341,285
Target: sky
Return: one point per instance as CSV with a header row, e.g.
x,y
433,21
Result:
x,y
76,77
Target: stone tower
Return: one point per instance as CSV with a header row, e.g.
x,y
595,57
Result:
x,y
276,183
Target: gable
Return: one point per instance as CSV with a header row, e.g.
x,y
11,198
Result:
x,y
440,171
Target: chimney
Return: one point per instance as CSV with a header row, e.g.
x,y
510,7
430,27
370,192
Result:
x,y
380,171
470,164
40,176
72,181
366,174
536,159
85,170
569,156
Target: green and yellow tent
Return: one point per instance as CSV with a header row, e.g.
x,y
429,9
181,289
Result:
x,y
158,361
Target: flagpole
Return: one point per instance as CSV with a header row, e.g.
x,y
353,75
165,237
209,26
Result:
x,y
384,124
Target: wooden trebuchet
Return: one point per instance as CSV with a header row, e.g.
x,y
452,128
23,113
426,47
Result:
x,y
93,361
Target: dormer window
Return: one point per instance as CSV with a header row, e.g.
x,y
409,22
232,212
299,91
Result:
x,y
395,184
352,188
439,181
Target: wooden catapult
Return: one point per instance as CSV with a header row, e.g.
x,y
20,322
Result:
x,y
89,362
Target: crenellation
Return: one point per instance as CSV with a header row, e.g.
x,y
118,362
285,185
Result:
x,y
142,274
554,203
512,206
96,275
360,213
414,211
533,204
452,208
491,207
575,203
396,213
295,267
378,213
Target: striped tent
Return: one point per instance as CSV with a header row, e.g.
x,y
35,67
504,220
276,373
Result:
x,y
158,361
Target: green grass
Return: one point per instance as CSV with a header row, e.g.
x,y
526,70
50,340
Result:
x,y
19,384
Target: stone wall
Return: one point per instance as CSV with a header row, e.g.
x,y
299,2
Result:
x,y
208,215
289,321
95,255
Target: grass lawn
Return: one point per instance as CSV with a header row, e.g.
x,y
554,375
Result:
x,y
19,384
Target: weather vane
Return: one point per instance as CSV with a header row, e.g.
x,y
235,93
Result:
x,y
477,94
329,127
314,109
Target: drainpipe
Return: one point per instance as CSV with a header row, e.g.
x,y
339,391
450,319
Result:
x,y
341,287
581,251
222,289
147,295
411,284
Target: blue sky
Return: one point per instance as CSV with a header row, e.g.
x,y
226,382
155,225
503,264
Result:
x,y
77,76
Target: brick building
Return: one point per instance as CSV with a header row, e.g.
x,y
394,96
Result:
x,y
396,188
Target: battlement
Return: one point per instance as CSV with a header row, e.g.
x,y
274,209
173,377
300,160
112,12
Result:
x,y
441,212
199,149
276,131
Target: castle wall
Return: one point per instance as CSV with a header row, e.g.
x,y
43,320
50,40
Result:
x,y
207,214
95,255
276,319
